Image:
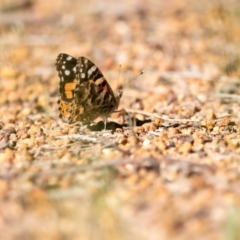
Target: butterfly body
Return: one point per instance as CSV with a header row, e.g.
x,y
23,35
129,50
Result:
x,y
84,93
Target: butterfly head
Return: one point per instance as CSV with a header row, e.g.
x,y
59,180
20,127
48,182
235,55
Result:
x,y
118,94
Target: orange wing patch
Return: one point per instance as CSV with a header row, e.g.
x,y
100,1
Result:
x,y
69,89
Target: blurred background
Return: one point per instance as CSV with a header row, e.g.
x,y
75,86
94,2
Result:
x,y
184,47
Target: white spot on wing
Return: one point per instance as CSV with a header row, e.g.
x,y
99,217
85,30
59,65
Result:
x,y
91,70
85,60
83,75
67,72
74,69
69,58
63,66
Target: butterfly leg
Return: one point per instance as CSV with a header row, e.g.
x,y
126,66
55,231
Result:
x,y
124,113
105,123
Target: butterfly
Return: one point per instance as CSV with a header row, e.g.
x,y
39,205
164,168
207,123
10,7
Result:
x,y
84,93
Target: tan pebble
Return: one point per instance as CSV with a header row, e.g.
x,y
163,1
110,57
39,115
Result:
x,y
33,130
23,125
173,132
7,156
197,135
119,130
2,135
224,122
198,146
185,148
61,142
38,196
55,133
126,169
29,142
147,127
170,174
128,132
187,131
198,140
164,136
161,145
73,130
86,130
12,96
53,181
158,121
42,101
232,136
22,146
19,54
233,143
153,126
138,104
4,187
146,143
65,182
23,134
140,117
138,130
61,153
132,140
38,141
66,141
4,99
208,124
108,153
25,112
12,139
16,210
123,141
132,179
211,116
8,72
9,130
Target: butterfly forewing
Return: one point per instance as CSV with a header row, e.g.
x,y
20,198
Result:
x,y
66,67
87,70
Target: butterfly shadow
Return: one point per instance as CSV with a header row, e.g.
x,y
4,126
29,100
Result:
x,y
99,126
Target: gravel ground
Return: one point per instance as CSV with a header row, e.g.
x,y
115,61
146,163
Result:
x,y
167,167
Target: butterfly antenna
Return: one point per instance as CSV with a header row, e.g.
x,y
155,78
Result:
x,y
141,73
119,72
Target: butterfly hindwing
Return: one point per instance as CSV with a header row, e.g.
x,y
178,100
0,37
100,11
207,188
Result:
x,y
66,67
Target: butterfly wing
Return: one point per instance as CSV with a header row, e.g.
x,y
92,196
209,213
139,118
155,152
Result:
x,y
66,67
84,92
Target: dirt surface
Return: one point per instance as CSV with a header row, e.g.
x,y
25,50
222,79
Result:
x,y
167,167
